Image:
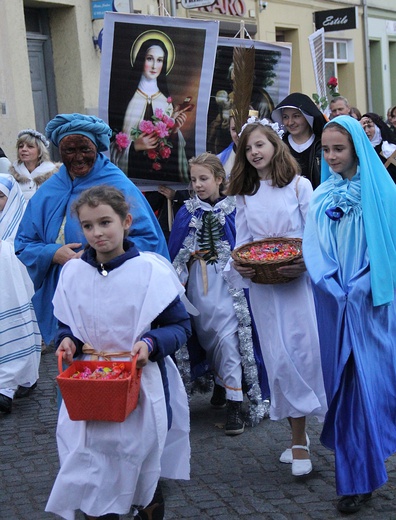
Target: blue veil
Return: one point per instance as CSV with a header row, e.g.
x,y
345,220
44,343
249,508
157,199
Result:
x,y
379,211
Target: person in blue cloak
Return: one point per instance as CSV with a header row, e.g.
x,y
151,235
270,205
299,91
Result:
x,y
350,252
48,235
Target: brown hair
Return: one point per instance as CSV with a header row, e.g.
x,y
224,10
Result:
x,y
244,178
103,194
333,125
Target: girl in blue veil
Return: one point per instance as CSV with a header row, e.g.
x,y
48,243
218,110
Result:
x,y
350,252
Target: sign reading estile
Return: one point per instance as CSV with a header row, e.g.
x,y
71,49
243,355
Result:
x,y
336,19
190,4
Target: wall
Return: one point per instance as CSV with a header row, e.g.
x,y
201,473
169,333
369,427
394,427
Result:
x,y
77,62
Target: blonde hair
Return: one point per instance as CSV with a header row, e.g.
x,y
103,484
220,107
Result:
x,y
43,153
245,180
212,163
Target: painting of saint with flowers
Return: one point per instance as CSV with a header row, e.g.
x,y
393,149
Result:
x,y
154,88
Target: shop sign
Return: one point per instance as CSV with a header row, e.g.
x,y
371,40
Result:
x,y
99,7
227,7
190,4
336,19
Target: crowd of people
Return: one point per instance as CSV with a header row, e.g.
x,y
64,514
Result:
x,y
93,273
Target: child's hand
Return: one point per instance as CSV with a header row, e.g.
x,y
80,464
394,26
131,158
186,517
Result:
x,y
66,253
66,349
293,270
141,349
245,272
167,192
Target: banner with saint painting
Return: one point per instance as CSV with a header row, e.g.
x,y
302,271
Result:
x,y
155,84
271,84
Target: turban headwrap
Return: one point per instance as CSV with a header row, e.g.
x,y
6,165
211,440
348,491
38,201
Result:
x,y
71,124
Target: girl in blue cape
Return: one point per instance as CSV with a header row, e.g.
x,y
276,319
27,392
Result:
x,y
200,245
350,252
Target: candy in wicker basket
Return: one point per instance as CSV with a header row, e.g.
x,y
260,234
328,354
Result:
x,y
267,255
99,399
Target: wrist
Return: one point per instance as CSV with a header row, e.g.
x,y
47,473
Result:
x,y
150,344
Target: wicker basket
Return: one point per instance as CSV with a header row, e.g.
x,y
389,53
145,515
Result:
x,y
99,399
266,270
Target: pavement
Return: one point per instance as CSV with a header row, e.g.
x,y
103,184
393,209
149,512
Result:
x,y
232,478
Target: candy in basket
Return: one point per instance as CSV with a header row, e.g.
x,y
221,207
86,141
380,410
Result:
x,y
267,255
99,390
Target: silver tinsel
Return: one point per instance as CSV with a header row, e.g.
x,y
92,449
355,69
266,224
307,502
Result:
x,y
258,409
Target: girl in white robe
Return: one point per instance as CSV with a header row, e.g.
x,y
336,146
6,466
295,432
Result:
x,y
200,245
20,340
272,201
116,299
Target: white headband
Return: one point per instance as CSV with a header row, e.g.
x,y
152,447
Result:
x,y
264,122
34,133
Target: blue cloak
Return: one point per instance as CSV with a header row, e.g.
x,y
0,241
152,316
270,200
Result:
x,y
356,314
35,241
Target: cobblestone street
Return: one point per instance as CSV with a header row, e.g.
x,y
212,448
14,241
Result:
x,y
232,477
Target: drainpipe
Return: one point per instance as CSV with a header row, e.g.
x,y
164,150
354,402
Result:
x,y
173,7
367,56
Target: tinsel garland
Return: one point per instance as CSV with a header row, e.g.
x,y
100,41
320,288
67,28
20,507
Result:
x,y
258,409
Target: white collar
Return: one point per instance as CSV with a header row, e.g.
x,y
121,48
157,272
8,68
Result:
x,y
299,148
148,86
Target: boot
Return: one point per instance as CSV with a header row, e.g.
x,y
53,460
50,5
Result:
x,y
235,424
218,399
156,508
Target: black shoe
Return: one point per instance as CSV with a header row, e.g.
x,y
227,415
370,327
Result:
x,y
352,503
156,508
235,425
24,391
218,399
109,516
5,404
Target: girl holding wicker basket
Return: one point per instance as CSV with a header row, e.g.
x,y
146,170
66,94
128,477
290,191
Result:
x,y
272,202
108,303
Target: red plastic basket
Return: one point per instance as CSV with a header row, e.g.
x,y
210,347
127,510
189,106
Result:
x,y
99,399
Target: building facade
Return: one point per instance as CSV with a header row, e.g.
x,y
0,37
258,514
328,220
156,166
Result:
x,y
50,51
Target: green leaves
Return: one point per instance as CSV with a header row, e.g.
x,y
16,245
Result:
x,y
210,233
320,102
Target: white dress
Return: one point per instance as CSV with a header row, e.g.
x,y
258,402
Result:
x,y
20,340
223,325
284,313
108,466
216,324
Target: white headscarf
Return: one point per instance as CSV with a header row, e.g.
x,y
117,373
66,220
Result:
x,y
14,209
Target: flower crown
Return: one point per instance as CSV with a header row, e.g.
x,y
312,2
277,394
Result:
x,y
265,122
34,133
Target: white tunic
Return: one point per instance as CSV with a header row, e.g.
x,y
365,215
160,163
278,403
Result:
x,y
284,313
20,340
106,466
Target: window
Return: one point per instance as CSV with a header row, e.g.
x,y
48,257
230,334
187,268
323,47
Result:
x,y
337,52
